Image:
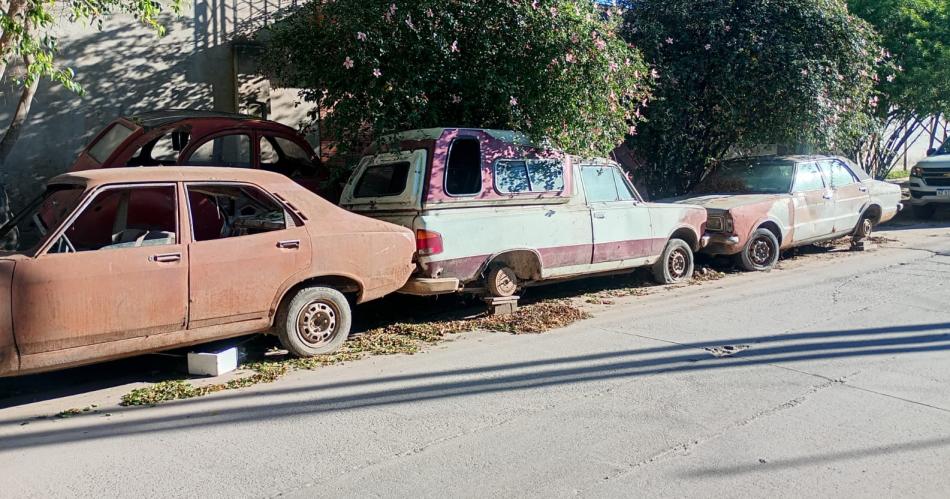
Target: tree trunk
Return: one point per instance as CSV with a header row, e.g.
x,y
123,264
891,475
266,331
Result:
x,y
16,9
12,134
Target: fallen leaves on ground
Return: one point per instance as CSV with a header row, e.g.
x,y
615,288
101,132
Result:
x,y
404,338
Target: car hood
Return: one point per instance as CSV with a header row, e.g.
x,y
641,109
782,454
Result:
x,y
942,161
730,201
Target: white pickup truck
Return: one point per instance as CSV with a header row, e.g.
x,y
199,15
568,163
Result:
x,y
493,213
930,182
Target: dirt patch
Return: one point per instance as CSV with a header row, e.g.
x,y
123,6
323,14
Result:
x,y
400,338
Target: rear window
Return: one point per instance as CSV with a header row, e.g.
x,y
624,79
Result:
x,y
107,144
388,179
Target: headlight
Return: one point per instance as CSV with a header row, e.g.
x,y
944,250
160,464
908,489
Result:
x,y
917,172
715,224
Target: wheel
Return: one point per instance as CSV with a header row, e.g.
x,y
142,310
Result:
x,y
925,211
676,263
864,228
501,281
761,252
315,322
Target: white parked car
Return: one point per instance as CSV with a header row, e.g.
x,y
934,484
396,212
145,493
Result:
x,y
930,182
493,212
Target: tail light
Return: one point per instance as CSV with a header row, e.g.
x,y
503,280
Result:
x,y
428,242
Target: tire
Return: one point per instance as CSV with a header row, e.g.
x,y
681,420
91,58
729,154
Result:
x,y
924,211
676,264
315,322
761,252
501,281
864,229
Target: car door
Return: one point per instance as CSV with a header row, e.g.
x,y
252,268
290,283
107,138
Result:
x,y
117,270
245,248
622,228
813,201
851,196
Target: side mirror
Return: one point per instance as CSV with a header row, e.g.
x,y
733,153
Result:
x,y
931,151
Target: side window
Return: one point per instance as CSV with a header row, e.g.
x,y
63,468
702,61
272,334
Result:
x,y
463,171
227,150
285,157
533,175
124,218
840,175
382,180
511,177
600,184
221,211
808,178
623,188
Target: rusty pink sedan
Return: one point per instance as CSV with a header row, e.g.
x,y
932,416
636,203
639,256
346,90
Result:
x,y
117,262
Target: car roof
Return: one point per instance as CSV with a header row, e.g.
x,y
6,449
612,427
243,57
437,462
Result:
x,y
154,119
144,174
791,158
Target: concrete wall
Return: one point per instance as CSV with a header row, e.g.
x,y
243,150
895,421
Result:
x,y
126,69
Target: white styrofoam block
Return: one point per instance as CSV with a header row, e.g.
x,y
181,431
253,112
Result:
x,y
213,364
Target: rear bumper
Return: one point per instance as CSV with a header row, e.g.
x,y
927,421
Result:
x,y
430,287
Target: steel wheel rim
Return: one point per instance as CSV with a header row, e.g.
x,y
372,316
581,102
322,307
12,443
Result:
x,y
866,227
761,251
318,322
678,264
505,284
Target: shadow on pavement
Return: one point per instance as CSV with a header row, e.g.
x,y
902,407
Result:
x,y
629,364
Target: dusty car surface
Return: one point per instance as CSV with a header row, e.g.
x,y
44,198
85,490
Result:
x,y
203,138
492,213
930,182
759,206
117,262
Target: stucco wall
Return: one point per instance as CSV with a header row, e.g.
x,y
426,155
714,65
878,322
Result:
x,y
126,69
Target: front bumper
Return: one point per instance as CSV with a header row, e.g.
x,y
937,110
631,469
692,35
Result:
x,y
715,243
430,287
921,194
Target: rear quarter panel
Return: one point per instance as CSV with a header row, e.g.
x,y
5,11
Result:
x,y
886,195
9,358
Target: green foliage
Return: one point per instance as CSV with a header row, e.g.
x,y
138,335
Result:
x,y
916,33
554,69
735,74
34,41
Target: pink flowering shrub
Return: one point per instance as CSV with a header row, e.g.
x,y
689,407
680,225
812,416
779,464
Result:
x,y
554,69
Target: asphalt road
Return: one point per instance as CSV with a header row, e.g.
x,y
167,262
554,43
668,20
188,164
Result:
x,y
838,385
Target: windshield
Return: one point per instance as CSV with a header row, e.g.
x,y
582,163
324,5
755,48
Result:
x,y
29,228
749,176
944,149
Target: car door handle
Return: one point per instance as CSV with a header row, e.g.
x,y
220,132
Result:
x,y
166,258
600,215
293,244
828,196
863,189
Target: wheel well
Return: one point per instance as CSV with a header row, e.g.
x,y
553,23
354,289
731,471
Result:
x,y
688,236
525,263
774,229
350,288
873,211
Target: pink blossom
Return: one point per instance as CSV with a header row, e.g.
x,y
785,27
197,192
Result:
x,y
553,11
614,66
601,44
669,41
890,78
534,5
455,46
456,98
570,57
361,36
632,130
654,73
429,13
804,72
348,63
513,101
377,73
409,23
707,46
